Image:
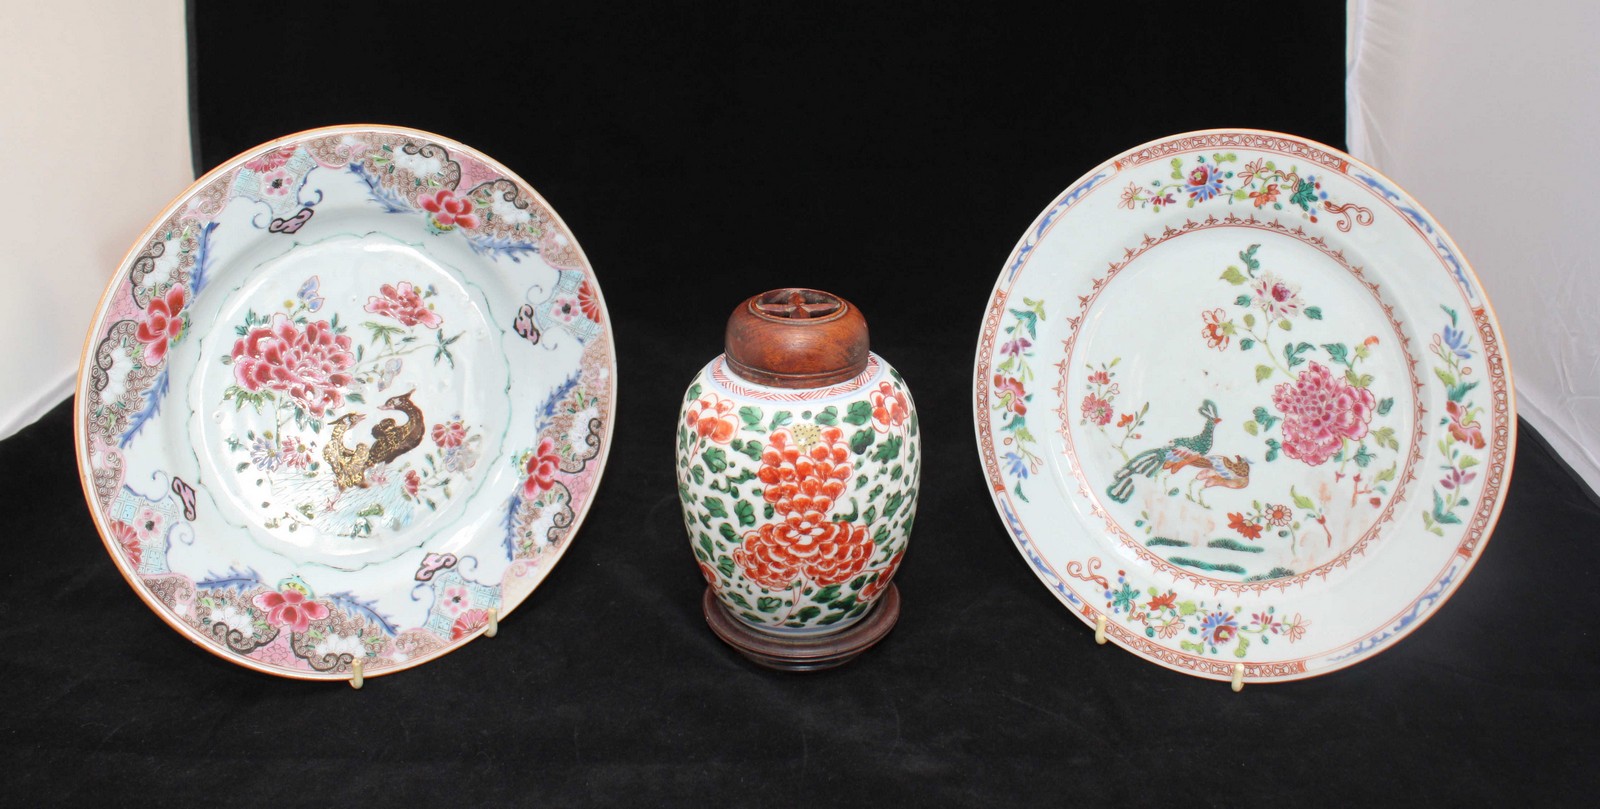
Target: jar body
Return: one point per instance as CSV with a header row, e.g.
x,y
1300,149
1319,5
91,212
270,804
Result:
x,y
798,502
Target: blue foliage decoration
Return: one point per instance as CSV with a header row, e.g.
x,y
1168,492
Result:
x,y
152,408
348,602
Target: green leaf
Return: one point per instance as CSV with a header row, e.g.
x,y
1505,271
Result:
x,y
781,418
1467,462
714,506
1301,500
1251,427
1187,607
705,542
1242,300
1265,419
1240,650
1285,324
828,417
1249,319
1384,437
1262,372
1387,474
752,449
1249,258
752,416
1314,312
698,472
728,533
888,450
694,392
1233,276
861,440
1446,377
1245,343
1337,352
356,397
1304,195
1384,405
745,512
716,460
826,594
768,603
1363,457
858,414
807,613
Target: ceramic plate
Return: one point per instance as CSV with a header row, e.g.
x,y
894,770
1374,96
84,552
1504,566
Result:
x,y
346,400
1241,396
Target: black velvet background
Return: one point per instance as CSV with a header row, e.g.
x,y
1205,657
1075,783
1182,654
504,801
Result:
x,y
702,153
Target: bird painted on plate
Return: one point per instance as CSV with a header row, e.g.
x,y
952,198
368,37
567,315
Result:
x,y
1214,470
1151,461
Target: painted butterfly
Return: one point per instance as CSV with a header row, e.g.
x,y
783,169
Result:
x,y
433,563
292,224
308,293
524,324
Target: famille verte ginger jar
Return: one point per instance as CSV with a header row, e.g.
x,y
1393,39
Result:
x,y
798,463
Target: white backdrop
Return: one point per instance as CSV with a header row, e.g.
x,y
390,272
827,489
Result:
x,y
1486,112
94,121
1481,113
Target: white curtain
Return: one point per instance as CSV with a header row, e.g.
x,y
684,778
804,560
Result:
x,y
94,135
1486,111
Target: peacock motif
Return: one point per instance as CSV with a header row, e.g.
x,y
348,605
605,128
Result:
x,y
1178,451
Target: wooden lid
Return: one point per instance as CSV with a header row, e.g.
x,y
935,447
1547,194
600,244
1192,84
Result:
x,y
797,338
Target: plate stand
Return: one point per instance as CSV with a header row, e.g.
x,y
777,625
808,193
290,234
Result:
x,y
358,668
809,653
1100,638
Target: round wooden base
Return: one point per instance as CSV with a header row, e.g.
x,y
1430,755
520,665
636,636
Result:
x,y
807,653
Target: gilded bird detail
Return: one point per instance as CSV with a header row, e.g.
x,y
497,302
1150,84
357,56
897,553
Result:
x,y
389,441
1151,461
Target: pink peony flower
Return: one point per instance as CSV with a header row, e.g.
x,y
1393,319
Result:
x,y
1320,410
310,365
403,303
448,210
1096,410
160,324
290,608
542,467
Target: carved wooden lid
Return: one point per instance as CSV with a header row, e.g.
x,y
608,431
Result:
x,y
797,338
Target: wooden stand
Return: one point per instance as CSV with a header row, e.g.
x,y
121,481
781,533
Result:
x,y
803,653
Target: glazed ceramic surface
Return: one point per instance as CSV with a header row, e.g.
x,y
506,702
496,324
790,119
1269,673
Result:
x,y
798,502
1239,394
348,395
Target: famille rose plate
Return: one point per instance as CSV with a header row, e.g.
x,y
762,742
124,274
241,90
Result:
x,y
345,402
1240,396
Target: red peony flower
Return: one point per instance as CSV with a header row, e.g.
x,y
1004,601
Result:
x,y
261,164
469,622
160,324
804,485
310,366
290,608
713,418
878,586
1011,393
449,434
542,467
889,408
1248,530
125,536
824,553
1096,410
403,303
413,482
1466,430
448,210
589,301
1320,410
